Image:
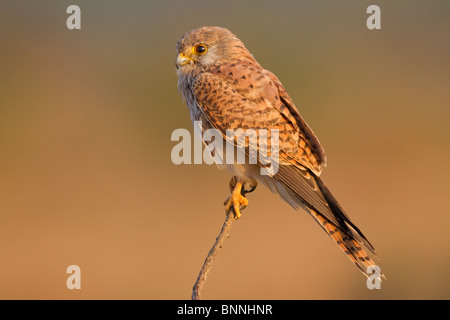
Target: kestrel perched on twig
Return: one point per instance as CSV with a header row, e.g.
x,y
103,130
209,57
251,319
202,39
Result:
x,y
226,88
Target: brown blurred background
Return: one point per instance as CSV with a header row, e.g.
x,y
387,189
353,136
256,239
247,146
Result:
x,y
86,176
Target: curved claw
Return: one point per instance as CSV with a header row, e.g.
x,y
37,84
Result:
x,y
249,191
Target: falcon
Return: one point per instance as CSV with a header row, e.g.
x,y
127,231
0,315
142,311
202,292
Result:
x,y
225,88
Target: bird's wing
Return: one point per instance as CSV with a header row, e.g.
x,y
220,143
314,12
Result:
x,y
229,105
258,96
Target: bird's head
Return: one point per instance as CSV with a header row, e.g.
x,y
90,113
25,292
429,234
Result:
x,y
206,47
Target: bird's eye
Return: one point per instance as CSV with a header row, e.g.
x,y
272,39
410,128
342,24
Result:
x,y
200,49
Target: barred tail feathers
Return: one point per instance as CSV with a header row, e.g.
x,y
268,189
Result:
x,y
301,188
347,243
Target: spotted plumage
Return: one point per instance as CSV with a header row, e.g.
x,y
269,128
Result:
x,y
227,89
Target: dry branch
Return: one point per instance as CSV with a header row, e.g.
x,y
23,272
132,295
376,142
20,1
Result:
x,y
207,265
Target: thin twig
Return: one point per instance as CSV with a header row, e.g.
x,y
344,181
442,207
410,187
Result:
x,y
207,265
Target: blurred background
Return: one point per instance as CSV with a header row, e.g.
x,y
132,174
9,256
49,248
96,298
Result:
x,y
86,177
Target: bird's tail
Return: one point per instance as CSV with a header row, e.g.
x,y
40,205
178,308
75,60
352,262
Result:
x,y
301,188
346,235
347,243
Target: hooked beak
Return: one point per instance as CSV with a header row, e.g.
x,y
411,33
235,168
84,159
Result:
x,y
182,60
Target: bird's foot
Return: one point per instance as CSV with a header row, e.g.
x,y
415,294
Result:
x,y
237,201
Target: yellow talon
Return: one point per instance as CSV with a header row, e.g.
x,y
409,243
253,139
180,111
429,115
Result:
x,y
236,201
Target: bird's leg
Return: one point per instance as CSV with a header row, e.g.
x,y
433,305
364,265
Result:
x,y
237,200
